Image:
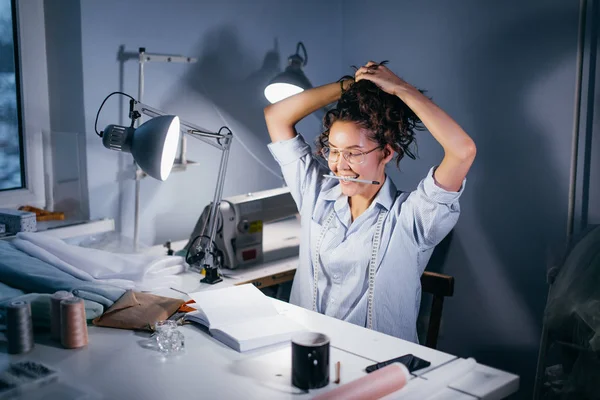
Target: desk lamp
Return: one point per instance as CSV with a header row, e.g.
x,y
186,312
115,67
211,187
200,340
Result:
x,y
153,146
292,80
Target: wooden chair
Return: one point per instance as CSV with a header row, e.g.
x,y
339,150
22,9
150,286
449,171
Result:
x,y
440,286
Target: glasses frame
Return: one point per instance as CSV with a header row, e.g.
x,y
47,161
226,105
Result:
x,y
345,154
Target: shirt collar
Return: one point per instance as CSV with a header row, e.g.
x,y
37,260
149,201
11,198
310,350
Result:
x,y
385,197
333,193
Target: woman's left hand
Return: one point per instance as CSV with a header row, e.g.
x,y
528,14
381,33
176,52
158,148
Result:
x,y
381,75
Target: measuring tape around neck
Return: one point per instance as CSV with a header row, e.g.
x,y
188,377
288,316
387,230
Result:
x,y
372,262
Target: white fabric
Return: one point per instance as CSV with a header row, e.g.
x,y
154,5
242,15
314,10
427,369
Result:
x,y
129,271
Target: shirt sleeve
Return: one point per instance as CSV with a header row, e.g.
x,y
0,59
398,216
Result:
x,y
302,172
430,212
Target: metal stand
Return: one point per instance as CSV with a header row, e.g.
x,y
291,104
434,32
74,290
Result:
x,y
181,162
540,370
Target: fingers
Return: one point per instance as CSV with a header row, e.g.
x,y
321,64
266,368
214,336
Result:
x,y
362,72
370,68
366,70
374,65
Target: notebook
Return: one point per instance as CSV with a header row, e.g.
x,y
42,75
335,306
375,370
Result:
x,y
241,317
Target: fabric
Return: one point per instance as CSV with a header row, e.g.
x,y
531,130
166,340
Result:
x,y
8,292
29,274
573,306
414,224
138,311
128,271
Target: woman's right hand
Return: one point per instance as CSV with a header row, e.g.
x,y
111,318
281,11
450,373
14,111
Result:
x,y
383,77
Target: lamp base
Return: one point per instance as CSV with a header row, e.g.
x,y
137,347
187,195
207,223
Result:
x,y
212,276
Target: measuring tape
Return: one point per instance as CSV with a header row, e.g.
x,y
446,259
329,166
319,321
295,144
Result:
x,y
372,262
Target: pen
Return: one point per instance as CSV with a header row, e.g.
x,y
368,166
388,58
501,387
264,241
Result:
x,y
344,178
177,290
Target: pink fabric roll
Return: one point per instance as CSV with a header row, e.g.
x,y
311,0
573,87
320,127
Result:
x,y
372,386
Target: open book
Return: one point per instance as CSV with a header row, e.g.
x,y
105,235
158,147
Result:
x,y
241,317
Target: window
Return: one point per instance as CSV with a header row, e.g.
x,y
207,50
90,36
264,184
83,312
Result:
x,y
12,173
24,107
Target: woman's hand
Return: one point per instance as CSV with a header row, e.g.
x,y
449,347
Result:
x,y
381,75
459,148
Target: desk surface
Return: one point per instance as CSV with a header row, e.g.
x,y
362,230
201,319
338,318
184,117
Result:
x,y
121,364
354,346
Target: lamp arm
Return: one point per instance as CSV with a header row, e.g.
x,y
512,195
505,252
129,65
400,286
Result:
x,y
218,191
211,262
186,127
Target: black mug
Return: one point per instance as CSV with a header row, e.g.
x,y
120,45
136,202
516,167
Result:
x,y
310,360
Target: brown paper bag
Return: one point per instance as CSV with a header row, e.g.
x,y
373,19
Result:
x,y
138,311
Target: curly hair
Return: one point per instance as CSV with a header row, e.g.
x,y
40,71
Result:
x,y
387,118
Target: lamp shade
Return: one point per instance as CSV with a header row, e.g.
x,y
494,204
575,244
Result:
x,y
154,145
291,81
286,84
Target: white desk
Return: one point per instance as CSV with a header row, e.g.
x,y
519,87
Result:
x,y
120,364
355,347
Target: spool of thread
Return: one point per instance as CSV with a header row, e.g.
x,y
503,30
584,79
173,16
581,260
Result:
x,y
19,327
372,386
55,312
73,332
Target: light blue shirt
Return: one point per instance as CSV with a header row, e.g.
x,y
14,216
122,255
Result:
x,y
414,224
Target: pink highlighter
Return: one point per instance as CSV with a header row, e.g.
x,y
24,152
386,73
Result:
x,y
372,386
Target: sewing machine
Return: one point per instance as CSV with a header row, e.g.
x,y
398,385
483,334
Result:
x,y
255,227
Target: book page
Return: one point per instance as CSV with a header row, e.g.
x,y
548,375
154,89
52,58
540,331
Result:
x,y
256,333
233,304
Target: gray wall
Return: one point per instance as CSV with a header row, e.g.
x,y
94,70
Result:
x,y
506,72
234,42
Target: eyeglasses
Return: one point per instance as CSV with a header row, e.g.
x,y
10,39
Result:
x,y
351,156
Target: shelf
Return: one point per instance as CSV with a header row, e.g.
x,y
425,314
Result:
x,y
68,229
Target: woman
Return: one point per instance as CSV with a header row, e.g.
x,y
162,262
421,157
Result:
x,y
364,246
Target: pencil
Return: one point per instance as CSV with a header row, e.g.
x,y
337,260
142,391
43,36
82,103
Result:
x,y
337,372
345,178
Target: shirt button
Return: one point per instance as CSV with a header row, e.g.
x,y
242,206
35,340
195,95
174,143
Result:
x,y
332,301
335,276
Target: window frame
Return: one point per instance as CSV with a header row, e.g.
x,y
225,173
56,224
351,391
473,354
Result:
x,y
34,104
